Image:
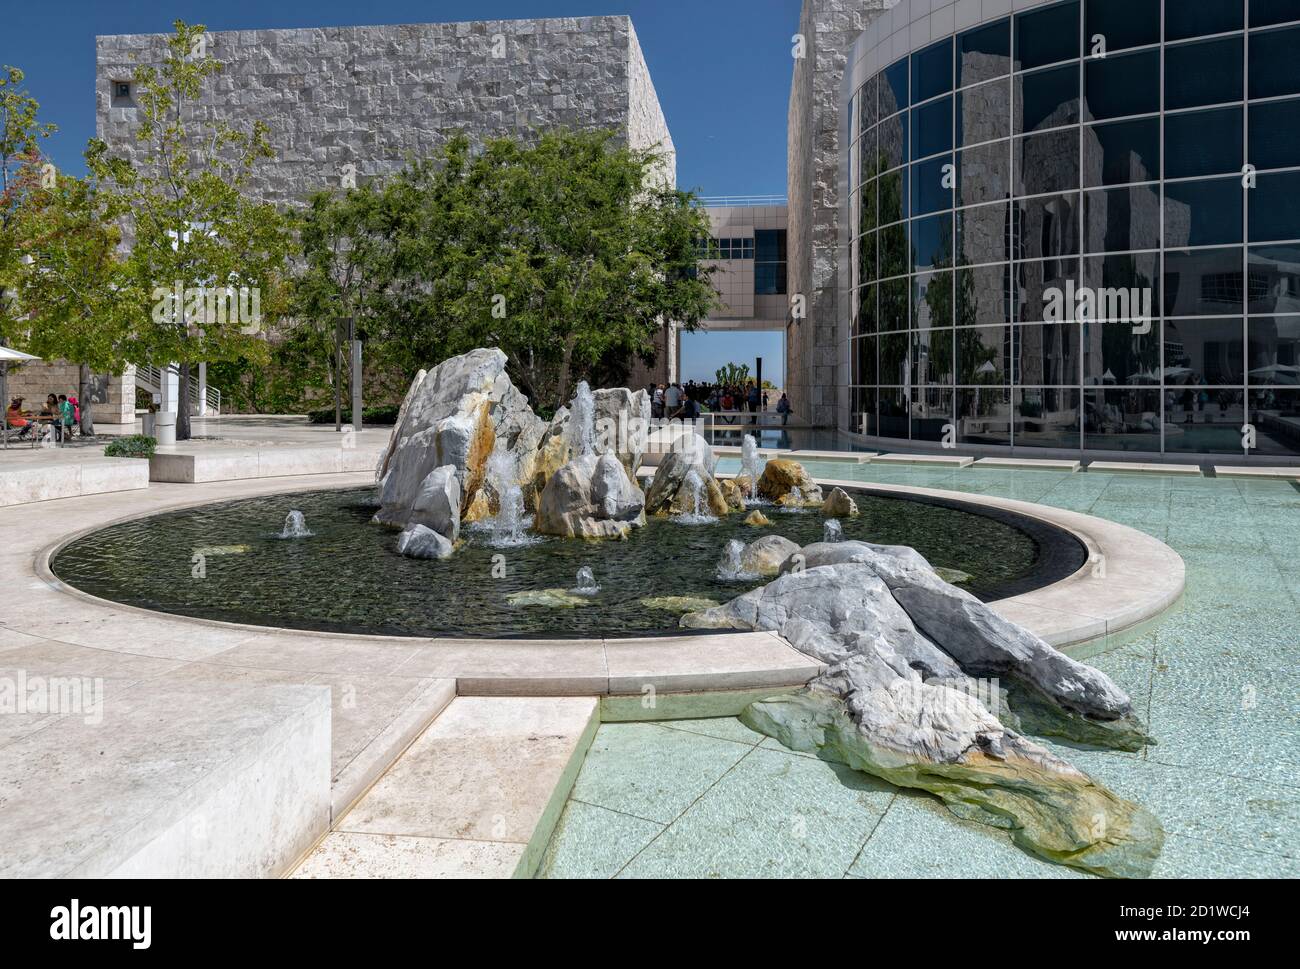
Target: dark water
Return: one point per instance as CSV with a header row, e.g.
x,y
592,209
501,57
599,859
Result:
x,y
348,577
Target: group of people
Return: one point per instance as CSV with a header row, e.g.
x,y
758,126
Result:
x,y
55,421
687,401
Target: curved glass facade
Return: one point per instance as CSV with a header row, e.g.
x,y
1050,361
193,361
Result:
x,y
1057,241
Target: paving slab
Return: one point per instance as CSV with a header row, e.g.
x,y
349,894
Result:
x,y
1030,464
1132,467
1249,471
936,460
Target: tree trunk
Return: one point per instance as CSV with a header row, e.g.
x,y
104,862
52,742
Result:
x,y
183,405
562,392
83,397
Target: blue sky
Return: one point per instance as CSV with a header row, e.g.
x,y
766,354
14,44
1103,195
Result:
x,y
721,68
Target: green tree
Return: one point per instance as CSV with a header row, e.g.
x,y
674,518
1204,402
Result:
x,y
564,252
193,229
733,374
78,297
20,136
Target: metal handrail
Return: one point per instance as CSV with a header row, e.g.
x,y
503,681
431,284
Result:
x,y
153,376
742,201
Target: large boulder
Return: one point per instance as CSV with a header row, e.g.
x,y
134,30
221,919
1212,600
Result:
x,y
622,425
838,504
455,415
419,542
765,556
437,505
781,476
590,498
671,491
893,703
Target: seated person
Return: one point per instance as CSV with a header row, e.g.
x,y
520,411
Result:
x,y
15,419
51,414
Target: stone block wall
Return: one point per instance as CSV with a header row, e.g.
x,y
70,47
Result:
x,y
113,398
829,28
373,97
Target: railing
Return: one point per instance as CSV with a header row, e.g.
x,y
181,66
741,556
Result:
x,y
741,201
151,378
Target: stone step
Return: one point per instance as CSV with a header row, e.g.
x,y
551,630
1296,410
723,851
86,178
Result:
x,y
937,460
1128,467
191,464
477,795
1250,471
1032,464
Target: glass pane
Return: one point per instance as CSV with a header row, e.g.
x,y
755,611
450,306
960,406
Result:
x,y
1274,279
1122,219
1047,162
893,250
1205,351
1275,207
983,355
984,415
870,155
983,295
932,71
1047,354
985,173
1124,23
932,244
932,361
982,234
1274,350
1209,72
1265,12
1203,143
870,218
1273,141
1204,283
1208,424
984,53
931,413
867,258
984,113
1047,36
893,88
932,128
893,361
866,310
1047,99
1197,18
1038,283
1117,354
1136,274
1046,417
1275,412
893,142
1121,152
863,355
1121,420
1204,213
932,300
893,196
1118,86
1048,226
1274,67
893,305
868,113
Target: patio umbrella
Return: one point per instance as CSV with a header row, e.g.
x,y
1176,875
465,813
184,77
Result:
x,y
1283,373
8,355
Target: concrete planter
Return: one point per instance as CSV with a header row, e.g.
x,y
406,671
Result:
x,y
164,428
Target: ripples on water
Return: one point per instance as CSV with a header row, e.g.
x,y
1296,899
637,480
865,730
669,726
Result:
x,y
347,577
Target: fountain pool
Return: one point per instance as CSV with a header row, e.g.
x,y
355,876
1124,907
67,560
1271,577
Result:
x,y
348,577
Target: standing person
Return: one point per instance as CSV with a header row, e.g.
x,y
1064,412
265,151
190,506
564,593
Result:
x,y
68,414
783,408
657,400
755,398
672,400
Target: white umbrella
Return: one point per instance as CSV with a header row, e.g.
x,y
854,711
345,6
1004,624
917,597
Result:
x,y
8,355
1283,373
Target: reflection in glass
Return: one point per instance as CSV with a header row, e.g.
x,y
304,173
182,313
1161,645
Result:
x,y
1275,412
1203,143
892,142
1274,68
893,88
1121,420
893,360
932,300
893,250
1047,36
982,234
932,128
984,113
867,313
1124,23
1274,279
1048,226
984,415
1119,86
868,114
1274,351
1117,353
1266,12
893,196
893,304
863,401
1204,420
932,71
863,355
1047,354
984,53
985,174
893,413
931,413
983,355
1192,19
1204,351
1121,152
1046,417
1137,274
929,192
1121,219
1208,282
932,245
932,357
983,295
1047,99
1037,281
1047,162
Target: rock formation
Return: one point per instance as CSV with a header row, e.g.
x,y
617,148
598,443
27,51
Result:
x,y
781,476
765,556
838,504
591,498
689,467
901,699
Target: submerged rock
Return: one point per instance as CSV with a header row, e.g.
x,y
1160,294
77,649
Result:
x,y
838,504
757,519
677,604
952,576
548,598
422,542
897,703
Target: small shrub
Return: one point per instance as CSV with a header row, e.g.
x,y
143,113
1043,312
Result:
x,y
135,446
